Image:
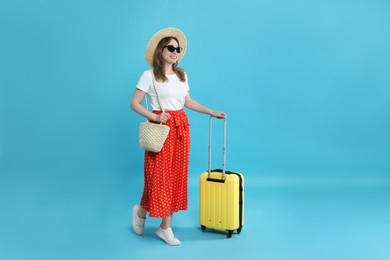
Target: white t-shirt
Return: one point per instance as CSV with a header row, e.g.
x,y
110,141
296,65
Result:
x,y
172,93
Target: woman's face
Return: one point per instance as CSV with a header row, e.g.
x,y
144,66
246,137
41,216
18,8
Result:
x,y
171,57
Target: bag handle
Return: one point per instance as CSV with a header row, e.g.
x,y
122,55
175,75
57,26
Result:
x,y
155,89
223,148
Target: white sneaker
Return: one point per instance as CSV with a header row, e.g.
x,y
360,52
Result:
x,y
138,223
167,236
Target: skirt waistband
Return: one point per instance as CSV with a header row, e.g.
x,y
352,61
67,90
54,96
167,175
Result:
x,y
169,111
177,120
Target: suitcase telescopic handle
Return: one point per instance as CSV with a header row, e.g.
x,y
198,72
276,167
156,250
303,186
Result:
x,y
223,148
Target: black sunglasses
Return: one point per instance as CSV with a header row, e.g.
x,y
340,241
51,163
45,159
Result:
x,y
172,48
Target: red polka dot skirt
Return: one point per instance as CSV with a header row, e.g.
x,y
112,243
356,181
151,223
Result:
x,y
166,172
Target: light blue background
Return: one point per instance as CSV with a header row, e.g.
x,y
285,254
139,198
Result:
x,y
305,84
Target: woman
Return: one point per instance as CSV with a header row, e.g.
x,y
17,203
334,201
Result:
x,y
166,172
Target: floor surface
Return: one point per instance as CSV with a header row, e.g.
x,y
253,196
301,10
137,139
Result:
x,y
70,218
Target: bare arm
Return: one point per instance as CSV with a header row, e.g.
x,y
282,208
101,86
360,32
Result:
x,y
136,105
193,105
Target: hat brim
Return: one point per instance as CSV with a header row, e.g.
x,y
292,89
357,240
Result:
x,y
158,36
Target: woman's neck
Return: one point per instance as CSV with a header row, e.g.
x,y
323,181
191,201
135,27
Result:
x,y
168,69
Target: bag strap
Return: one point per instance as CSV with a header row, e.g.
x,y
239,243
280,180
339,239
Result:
x,y
155,89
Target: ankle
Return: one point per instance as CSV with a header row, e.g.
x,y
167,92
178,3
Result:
x,y
141,215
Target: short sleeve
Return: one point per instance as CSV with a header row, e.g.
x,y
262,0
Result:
x,y
145,82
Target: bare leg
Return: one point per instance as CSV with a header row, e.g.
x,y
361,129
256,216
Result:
x,y
166,222
141,213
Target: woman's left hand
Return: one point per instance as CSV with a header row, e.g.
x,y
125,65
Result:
x,y
218,114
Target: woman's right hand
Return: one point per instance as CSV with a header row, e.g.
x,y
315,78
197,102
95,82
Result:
x,y
163,117
219,115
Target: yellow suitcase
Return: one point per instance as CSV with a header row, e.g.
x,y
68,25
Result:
x,y
221,196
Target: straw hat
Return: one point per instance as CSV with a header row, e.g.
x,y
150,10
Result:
x,y
158,36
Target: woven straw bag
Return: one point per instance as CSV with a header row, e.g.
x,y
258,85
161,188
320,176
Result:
x,y
152,136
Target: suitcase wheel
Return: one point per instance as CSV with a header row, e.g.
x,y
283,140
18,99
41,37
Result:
x,y
230,233
203,228
239,230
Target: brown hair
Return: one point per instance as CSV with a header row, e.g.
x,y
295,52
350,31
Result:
x,y
158,62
